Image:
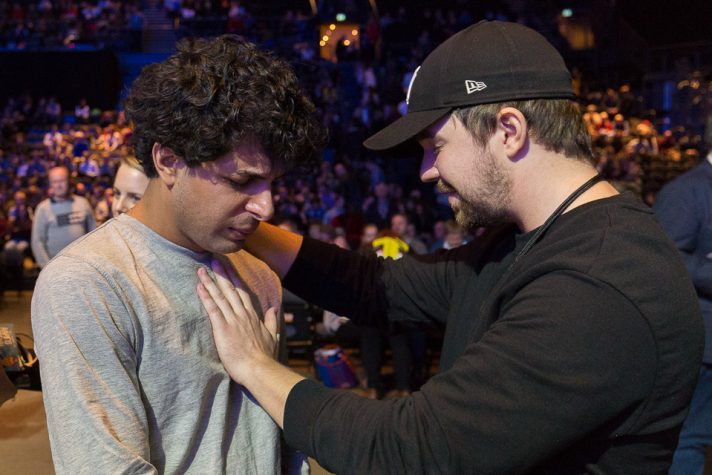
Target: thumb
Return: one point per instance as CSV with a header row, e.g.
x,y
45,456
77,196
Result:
x,y
272,322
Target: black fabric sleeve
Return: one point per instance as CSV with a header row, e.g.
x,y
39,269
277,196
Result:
x,y
563,360
365,288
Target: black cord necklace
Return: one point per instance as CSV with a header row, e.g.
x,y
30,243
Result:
x,y
557,212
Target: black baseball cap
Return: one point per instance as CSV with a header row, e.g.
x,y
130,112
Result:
x,y
490,61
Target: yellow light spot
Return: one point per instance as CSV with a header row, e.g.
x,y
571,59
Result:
x,y
325,38
347,42
354,32
322,43
332,27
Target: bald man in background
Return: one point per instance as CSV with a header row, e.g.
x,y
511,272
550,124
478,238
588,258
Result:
x,y
59,219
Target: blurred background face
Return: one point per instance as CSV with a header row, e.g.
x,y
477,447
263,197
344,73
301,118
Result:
x,y
369,233
129,186
454,239
381,191
59,182
20,198
399,224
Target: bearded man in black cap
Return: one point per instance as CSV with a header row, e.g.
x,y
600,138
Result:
x,y
572,341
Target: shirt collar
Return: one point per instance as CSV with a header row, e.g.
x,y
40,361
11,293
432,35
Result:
x,y
70,197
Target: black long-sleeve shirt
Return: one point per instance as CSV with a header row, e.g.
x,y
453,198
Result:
x,y
581,360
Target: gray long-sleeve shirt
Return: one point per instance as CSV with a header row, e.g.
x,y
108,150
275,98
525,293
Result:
x,y
56,224
131,378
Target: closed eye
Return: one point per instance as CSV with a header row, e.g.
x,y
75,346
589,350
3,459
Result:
x,y
236,184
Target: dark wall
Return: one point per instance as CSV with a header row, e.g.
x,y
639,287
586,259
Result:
x,y
67,75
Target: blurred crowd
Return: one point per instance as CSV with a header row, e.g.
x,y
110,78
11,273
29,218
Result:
x,y
35,138
63,23
210,17
630,151
353,196
356,94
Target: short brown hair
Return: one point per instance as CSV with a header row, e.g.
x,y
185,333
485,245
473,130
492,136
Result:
x,y
555,124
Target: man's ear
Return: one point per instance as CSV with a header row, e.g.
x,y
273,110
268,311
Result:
x,y
166,162
513,129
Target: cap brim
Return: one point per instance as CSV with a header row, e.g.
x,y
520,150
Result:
x,y
404,129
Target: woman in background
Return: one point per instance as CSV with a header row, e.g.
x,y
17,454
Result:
x,y
129,184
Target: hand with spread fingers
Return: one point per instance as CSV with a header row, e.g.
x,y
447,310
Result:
x,y
241,337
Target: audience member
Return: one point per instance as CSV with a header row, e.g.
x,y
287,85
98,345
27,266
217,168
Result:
x,y
59,219
379,207
455,235
373,340
19,224
126,350
129,185
684,208
82,111
102,209
401,226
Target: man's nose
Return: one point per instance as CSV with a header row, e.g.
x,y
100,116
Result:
x,y
261,205
428,172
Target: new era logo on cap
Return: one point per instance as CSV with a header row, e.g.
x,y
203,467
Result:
x,y
474,86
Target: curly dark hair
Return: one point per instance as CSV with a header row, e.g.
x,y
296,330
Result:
x,y
211,95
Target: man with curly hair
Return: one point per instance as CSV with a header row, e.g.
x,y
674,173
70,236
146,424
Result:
x,y
132,380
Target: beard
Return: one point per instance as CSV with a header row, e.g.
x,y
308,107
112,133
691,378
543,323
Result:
x,y
486,205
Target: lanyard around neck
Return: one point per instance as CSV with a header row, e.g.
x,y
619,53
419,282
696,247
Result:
x,y
557,212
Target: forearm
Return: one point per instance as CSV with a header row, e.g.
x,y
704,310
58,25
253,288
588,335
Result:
x,y
477,416
270,383
275,246
372,290
341,281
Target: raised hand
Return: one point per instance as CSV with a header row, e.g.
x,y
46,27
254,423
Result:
x,y
242,339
